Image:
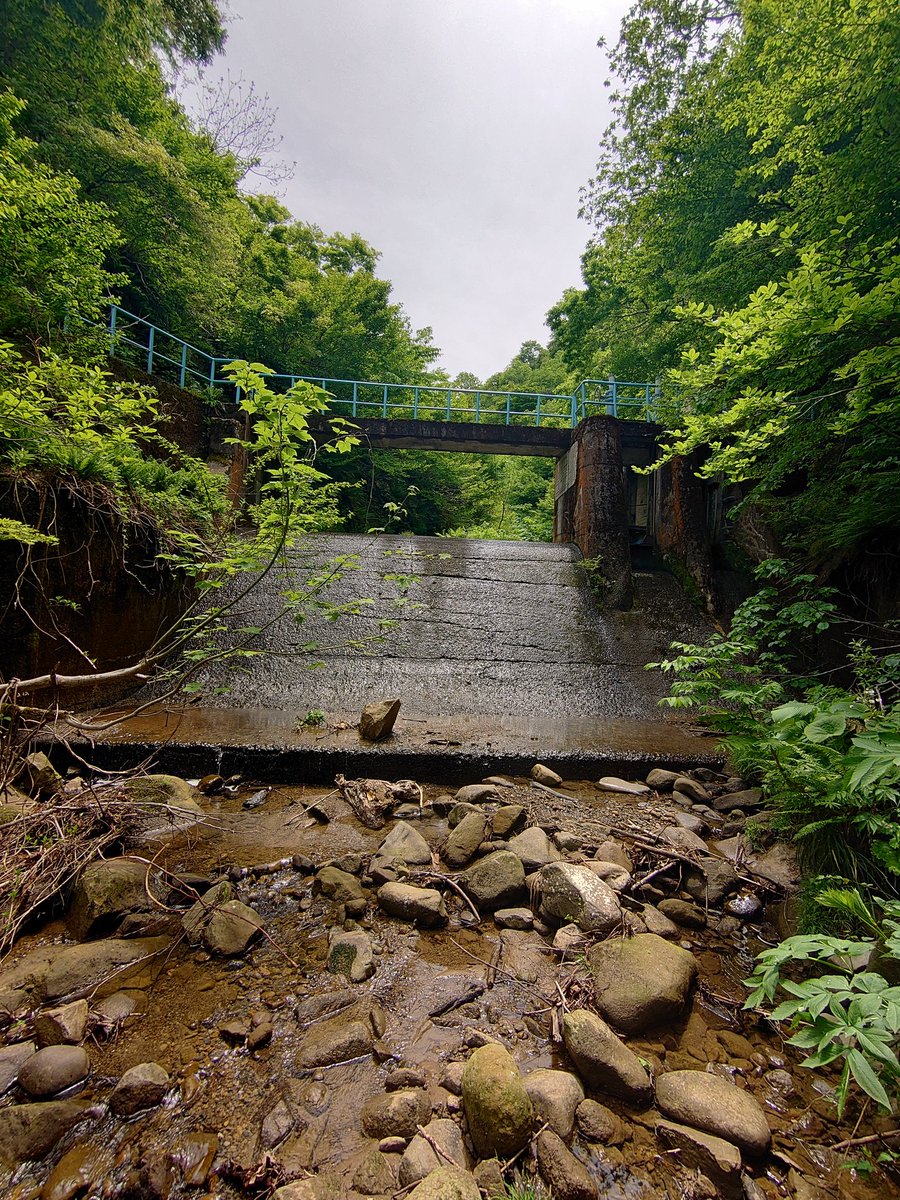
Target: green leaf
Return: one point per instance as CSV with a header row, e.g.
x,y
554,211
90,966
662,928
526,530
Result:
x,y
867,1079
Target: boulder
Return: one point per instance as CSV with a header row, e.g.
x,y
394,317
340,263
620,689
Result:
x,y
84,967
662,781
167,790
406,844
446,1183
497,1106
373,1176
690,820
420,1158
377,719
462,844
477,793
495,881
683,913
778,865
225,926
597,1123
604,1061
715,1158
59,1026
658,923
38,776
691,788
54,1069
684,840
12,1059
715,1105
563,1174
339,886
555,1096
642,981
514,918
748,798
335,1040
29,1131
460,811
534,848
424,906
508,818
542,774
612,783
143,1086
712,881
396,1114
571,892
612,874
104,893
614,852
350,954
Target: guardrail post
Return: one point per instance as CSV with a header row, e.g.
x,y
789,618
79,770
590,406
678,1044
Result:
x,y
183,376
538,421
415,403
478,408
384,403
112,329
212,372
353,410
508,399
150,342
449,400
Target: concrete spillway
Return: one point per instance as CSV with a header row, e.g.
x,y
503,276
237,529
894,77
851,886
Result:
x,y
500,654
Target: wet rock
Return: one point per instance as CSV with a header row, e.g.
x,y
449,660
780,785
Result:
x,y
662,781
260,1036
12,1059
234,1032
115,1008
451,1079
381,870
406,845
683,913
495,881
335,1040
143,1086
392,1145
29,1131
373,1176
614,852
555,1096
600,1124
568,937
716,1106
462,844
690,787
54,1069
195,1155
715,1158
403,1077
567,842
276,1126
38,776
690,820
748,798
684,840
49,975
542,774
571,892
224,925
514,918
497,1106
612,783
534,848
76,1173
167,790
420,1158
779,866
642,981
104,893
612,875
339,886
746,906
658,923
712,881
396,1114
508,819
604,1061
477,793
446,1183
564,1175
424,906
489,1177
62,1025
377,719
350,954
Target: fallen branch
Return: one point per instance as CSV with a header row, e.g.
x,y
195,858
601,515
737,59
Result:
x,y
866,1141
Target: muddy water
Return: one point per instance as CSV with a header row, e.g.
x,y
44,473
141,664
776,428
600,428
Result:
x,y
223,1093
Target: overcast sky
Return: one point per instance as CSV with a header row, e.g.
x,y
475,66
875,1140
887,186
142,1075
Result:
x,y
454,135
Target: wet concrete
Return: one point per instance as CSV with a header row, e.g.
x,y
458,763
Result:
x,y
499,654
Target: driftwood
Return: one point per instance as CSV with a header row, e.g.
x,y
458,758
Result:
x,y
374,799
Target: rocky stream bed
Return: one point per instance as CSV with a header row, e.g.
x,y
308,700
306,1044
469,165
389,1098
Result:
x,y
526,980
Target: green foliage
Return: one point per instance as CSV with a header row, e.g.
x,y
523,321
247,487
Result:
x,y
17,531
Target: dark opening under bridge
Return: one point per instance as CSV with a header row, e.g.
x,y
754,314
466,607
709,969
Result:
x,y
597,436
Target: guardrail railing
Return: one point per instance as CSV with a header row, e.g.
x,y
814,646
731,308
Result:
x,y
161,353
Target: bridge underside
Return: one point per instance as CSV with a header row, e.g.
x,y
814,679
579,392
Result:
x,y
397,433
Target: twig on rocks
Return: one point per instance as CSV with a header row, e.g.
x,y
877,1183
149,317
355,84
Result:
x,y
435,1147
439,878
504,1167
866,1141
515,979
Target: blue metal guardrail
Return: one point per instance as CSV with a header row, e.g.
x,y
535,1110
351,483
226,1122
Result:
x,y
158,352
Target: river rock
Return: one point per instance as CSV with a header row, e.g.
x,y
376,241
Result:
x,y
12,1059
612,783
377,719
690,787
555,1096
778,865
542,774
424,906
514,918
614,852
495,881
407,845
74,969
460,811
54,1069
662,781
563,1174
658,923
497,1106
339,886
683,913
104,893
337,1039
604,1061
477,793
508,818
39,777
29,1131
489,1177
748,798
691,821
597,1123
534,848
167,790
79,1172
373,1176
684,840
420,1158
717,1159
462,844
612,874
396,1114
65,1025
572,892
715,1105
143,1086
446,1183
350,954
642,981
713,880
224,925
